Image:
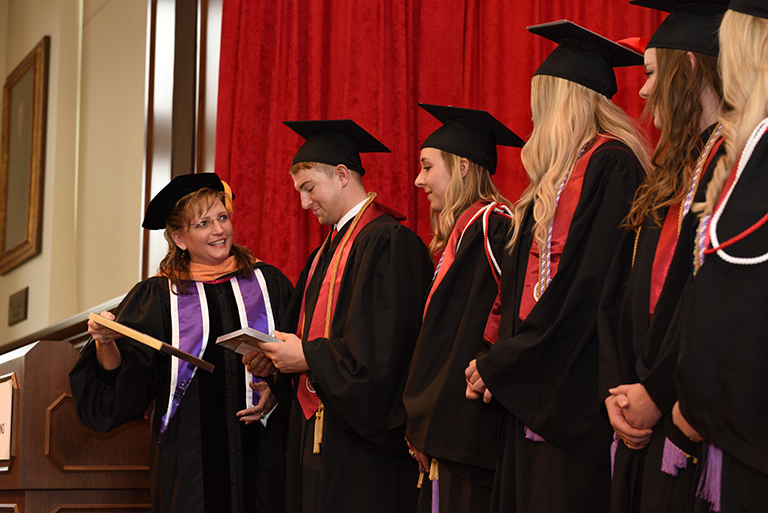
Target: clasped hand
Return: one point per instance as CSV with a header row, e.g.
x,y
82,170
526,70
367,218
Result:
x,y
632,414
475,385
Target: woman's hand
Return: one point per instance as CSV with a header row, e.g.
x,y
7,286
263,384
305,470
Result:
x,y
682,424
107,353
259,364
421,458
633,438
266,403
639,410
475,385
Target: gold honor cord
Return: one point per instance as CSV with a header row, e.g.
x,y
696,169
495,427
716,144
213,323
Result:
x,y
329,310
693,187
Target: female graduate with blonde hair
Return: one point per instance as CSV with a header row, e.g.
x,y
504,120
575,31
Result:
x,y
721,373
585,160
654,464
470,219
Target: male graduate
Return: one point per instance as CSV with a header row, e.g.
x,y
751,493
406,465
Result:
x,y
356,322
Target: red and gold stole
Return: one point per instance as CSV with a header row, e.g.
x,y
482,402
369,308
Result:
x,y
665,248
449,253
566,207
322,317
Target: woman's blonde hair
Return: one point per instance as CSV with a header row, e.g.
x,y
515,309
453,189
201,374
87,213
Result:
x,y
566,116
461,193
175,264
744,69
676,95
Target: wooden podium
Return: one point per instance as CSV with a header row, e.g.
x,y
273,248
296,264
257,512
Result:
x,y
56,464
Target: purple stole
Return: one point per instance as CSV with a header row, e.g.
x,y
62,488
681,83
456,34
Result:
x,y
191,330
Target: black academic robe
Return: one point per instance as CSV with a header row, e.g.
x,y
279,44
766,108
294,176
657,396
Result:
x,y
544,370
634,349
359,375
442,423
721,372
208,460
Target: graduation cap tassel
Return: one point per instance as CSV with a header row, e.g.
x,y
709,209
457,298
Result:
x,y
318,428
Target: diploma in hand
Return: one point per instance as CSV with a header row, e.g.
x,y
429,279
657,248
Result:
x,y
245,340
151,342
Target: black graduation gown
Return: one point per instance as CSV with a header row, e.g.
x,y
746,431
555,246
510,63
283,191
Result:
x,y
544,370
634,350
721,372
208,460
442,423
359,374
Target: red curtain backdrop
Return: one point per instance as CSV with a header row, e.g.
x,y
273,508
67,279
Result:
x,y
373,61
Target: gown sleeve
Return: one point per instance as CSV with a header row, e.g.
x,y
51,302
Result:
x,y
107,399
614,368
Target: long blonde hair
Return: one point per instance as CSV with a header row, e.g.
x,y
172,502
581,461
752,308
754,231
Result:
x,y
461,193
744,70
566,116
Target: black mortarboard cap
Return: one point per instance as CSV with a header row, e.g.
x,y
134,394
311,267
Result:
x,y
691,26
334,142
758,8
162,204
469,133
584,57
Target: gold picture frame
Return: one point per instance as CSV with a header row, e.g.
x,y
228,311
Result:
x,y
22,158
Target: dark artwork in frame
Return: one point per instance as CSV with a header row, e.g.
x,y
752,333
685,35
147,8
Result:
x,y
22,158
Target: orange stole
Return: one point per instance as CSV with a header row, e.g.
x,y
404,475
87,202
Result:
x,y
566,207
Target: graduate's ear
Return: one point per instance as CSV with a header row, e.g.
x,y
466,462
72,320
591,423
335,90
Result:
x,y
178,240
691,60
464,166
342,173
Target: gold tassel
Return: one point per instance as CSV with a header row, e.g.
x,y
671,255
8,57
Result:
x,y
433,472
421,480
318,429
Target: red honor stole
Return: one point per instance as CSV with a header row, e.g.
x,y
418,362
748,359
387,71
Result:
x,y
566,207
449,253
668,242
322,317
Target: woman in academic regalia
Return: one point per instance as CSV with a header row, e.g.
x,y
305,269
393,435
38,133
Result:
x,y
585,160
654,465
721,372
215,445
470,221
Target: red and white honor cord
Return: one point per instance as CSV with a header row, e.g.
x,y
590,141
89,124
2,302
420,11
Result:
x,y
718,248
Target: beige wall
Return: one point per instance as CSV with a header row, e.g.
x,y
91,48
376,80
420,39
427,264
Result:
x,y
94,154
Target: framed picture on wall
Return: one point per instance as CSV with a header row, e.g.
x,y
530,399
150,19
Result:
x,y
22,158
